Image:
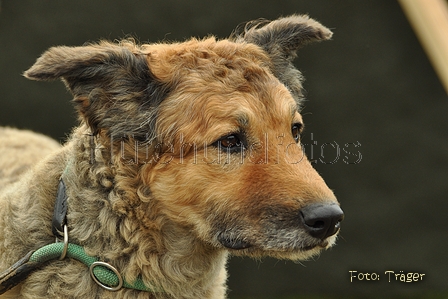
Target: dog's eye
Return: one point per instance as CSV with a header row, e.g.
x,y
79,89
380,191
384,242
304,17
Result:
x,y
230,142
296,129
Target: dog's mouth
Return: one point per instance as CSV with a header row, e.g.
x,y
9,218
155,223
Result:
x,y
233,243
240,243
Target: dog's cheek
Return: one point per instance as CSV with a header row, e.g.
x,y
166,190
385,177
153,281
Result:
x,y
192,193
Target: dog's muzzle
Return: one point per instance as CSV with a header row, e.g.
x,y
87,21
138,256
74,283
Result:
x,y
305,229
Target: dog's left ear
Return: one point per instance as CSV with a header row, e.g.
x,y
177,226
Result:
x,y
109,83
281,39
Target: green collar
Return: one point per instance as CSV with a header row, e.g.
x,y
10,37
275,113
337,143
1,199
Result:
x,y
102,273
105,275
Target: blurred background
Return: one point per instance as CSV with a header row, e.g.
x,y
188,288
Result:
x,y
376,116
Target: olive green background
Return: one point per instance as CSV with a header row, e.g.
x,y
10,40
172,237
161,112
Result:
x,y
372,86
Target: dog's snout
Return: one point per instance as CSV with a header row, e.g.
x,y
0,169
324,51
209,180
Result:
x,y
322,220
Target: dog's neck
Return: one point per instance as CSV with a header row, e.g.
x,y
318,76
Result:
x,y
132,234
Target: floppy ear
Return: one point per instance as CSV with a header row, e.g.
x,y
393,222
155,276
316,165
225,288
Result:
x,y
109,82
281,39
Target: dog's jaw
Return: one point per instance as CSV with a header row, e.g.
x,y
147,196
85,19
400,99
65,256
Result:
x,y
291,245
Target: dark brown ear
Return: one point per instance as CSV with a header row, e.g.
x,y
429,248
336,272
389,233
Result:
x,y
281,39
112,85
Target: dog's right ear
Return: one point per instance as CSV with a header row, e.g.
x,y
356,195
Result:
x,y
108,81
281,39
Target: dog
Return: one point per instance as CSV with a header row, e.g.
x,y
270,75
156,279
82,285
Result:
x,y
186,153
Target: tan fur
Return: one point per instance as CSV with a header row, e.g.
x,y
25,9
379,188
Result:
x,y
20,150
155,196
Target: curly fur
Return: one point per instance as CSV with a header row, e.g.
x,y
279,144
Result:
x,y
32,148
148,189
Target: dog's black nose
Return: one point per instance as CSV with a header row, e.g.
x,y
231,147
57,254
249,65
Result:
x,y
322,220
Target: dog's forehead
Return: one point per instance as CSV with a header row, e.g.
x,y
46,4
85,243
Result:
x,y
209,59
219,67
219,85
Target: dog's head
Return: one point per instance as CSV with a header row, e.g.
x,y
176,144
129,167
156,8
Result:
x,y
209,130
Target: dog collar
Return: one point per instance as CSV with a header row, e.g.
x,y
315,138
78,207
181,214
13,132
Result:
x,y
104,274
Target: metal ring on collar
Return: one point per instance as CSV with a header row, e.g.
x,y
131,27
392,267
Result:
x,y
64,250
113,269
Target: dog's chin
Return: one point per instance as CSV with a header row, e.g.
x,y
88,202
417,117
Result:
x,y
294,251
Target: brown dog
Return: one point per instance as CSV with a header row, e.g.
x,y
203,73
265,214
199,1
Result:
x,y
185,152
